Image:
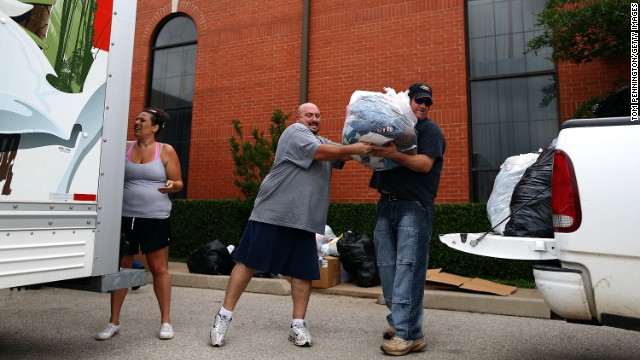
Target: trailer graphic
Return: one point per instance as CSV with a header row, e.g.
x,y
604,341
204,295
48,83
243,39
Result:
x,y
64,96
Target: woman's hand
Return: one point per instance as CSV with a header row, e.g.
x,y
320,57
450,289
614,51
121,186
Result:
x,y
168,188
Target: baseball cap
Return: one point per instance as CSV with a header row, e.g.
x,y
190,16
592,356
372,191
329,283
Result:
x,y
420,90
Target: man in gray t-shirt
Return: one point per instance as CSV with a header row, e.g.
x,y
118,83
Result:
x,y
290,208
295,193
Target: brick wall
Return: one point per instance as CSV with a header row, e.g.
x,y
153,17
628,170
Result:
x,y
249,64
578,83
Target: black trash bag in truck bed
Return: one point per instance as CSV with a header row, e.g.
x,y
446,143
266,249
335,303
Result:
x,y
616,104
358,257
531,213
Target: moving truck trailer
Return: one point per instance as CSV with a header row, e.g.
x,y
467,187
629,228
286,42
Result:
x,y
64,102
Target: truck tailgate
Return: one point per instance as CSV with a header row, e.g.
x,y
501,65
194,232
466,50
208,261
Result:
x,y
504,247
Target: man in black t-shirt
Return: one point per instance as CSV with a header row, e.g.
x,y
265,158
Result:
x,y
403,225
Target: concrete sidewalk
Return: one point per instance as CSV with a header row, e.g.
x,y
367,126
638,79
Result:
x,y
524,302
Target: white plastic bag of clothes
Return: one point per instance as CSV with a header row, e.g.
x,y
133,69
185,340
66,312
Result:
x,y
328,232
327,242
378,118
510,173
331,248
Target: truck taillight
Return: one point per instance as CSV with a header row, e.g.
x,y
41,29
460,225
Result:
x,y
565,200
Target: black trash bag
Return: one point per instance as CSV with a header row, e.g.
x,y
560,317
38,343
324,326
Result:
x,y
262,274
211,259
358,257
616,104
531,213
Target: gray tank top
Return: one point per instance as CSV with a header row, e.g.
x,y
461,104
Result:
x,y
141,197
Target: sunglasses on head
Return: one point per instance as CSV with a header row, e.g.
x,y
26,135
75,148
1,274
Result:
x,y
425,100
156,118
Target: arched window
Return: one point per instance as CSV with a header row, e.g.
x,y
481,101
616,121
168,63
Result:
x,y
173,64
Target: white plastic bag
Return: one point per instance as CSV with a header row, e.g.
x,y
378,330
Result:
x,y
510,173
327,243
328,232
331,248
379,118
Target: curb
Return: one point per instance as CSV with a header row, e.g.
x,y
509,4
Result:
x,y
523,303
219,282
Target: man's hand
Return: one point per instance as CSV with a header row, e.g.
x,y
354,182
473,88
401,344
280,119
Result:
x,y
328,152
361,148
386,151
417,162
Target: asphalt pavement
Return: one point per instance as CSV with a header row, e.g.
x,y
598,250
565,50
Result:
x,y
52,323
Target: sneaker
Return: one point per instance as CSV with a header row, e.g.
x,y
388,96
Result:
x,y
397,346
299,334
108,332
389,333
166,332
219,330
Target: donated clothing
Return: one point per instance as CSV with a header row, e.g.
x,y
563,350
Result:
x,y
374,114
378,118
295,193
411,185
141,197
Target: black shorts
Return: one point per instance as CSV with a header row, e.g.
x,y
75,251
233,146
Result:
x,y
147,235
279,250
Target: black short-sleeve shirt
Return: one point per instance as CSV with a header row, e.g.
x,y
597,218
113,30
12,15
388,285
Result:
x,y
411,185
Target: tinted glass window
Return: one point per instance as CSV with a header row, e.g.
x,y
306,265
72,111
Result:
x,y
172,83
511,110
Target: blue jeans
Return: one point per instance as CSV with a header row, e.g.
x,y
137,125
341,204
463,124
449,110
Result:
x,y
402,236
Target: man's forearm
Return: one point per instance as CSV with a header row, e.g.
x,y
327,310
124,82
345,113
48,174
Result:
x,y
328,152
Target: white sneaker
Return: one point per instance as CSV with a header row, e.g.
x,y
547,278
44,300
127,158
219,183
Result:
x,y
299,334
219,330
108,332
166,332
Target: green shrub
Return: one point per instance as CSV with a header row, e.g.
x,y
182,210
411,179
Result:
x,y
253,158
196,222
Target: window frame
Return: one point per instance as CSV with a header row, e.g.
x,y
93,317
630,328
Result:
x,y
475,171
182,145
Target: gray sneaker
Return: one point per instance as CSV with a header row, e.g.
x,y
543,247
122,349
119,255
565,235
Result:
x,y
300,336
219,330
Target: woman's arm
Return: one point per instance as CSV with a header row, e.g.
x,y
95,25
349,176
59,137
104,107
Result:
x,y
171,163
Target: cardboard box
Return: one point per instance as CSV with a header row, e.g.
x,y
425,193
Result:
x,y
329,273
476,284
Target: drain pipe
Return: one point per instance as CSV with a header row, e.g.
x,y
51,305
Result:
x,y
304,67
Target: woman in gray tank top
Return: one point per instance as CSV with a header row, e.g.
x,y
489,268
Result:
x,y
152,171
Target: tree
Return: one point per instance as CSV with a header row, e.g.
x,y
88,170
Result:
x,y
579,31
253,159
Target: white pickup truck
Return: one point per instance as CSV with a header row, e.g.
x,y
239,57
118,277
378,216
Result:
x,y
593,272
